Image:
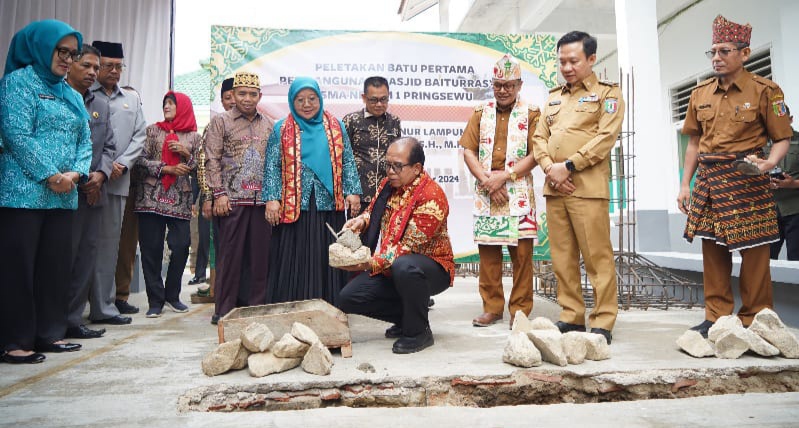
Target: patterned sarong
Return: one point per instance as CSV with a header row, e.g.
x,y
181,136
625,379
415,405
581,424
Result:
x,y
733,209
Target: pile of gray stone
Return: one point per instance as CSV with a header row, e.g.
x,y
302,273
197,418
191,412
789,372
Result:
x,y
531,342
767,336
257,350
347,250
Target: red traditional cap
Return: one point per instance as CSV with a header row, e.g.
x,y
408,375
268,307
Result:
x,y
725,31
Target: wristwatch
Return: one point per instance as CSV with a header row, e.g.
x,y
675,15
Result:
x,y
569,165
512,174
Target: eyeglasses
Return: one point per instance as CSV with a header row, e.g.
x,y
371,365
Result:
x,y
395,166
109,67
375,100
66,54
311,100
508,86
722,52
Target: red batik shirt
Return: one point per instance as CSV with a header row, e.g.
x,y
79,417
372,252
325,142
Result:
x,y
414,222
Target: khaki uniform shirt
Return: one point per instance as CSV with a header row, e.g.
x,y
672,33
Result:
x,y
581,122
470,140
740,119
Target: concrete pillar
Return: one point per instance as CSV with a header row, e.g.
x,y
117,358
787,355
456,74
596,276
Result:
x,y
656,163
657,182
443,16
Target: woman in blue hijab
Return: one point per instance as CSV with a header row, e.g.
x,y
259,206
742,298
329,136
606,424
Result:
x,y
310,179
46,151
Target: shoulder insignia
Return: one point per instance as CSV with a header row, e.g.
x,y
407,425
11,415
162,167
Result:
x,y
608,83
556,88
765,82
479,108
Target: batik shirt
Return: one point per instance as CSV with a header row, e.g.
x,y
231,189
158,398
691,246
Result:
x,y
370,136
414,222
151,197
235,149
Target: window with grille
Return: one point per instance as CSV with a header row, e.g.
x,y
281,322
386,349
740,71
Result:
x,y
759,63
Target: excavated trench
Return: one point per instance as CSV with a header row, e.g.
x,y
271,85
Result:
x,y
519,388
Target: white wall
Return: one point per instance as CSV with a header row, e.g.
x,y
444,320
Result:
x,y
786,63
142,26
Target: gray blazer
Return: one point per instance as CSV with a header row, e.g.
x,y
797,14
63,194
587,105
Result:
x,y
127,121
103,143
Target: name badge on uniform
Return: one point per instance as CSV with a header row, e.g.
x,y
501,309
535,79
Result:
x,y
554,103
589,98
611,105
46,97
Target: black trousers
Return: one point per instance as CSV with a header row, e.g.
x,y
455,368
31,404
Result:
x,y
401,298
203,232
789,234
203,246
152,228
36,257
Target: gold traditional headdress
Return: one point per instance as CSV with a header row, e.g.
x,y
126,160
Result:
x,y
246,80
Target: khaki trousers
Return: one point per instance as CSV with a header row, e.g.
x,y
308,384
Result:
x,y
128,240
755,281
582,226
521,295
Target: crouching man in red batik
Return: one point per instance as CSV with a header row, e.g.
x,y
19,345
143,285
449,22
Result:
x,y
408,216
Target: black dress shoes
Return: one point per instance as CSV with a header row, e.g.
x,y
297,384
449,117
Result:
x,y
125,308
33,358
394,332
565,327
55,347
215,319
196,280
115,320
411,344
83,332
603,332
703,328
